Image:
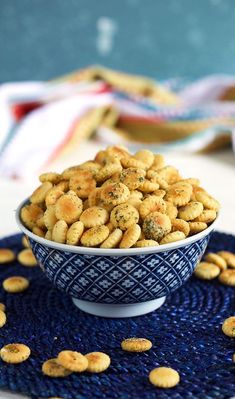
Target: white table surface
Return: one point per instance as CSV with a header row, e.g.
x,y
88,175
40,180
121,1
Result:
x,y
216,172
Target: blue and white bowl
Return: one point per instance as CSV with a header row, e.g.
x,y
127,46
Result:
x,y
118,282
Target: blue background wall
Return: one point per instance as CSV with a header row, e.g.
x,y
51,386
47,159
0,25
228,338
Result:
x,y
40,39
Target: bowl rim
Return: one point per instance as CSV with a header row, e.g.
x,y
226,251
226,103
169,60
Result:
x,y
113,251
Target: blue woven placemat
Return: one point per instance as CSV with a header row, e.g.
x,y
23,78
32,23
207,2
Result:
x,y
185,331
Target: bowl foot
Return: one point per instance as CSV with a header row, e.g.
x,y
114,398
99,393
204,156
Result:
x,y
122,310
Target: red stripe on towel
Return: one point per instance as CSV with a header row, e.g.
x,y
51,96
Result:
x,y
19,111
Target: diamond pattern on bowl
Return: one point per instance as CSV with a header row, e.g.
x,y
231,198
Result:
x,y
124,279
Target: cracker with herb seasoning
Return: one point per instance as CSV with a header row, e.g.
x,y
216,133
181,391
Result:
x,y
94,216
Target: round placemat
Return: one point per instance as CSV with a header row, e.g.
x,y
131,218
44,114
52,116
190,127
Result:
x,y
185,332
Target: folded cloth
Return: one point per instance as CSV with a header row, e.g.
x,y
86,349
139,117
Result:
x,y
41,122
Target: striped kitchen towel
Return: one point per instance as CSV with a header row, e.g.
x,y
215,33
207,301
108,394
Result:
x,y
44,122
